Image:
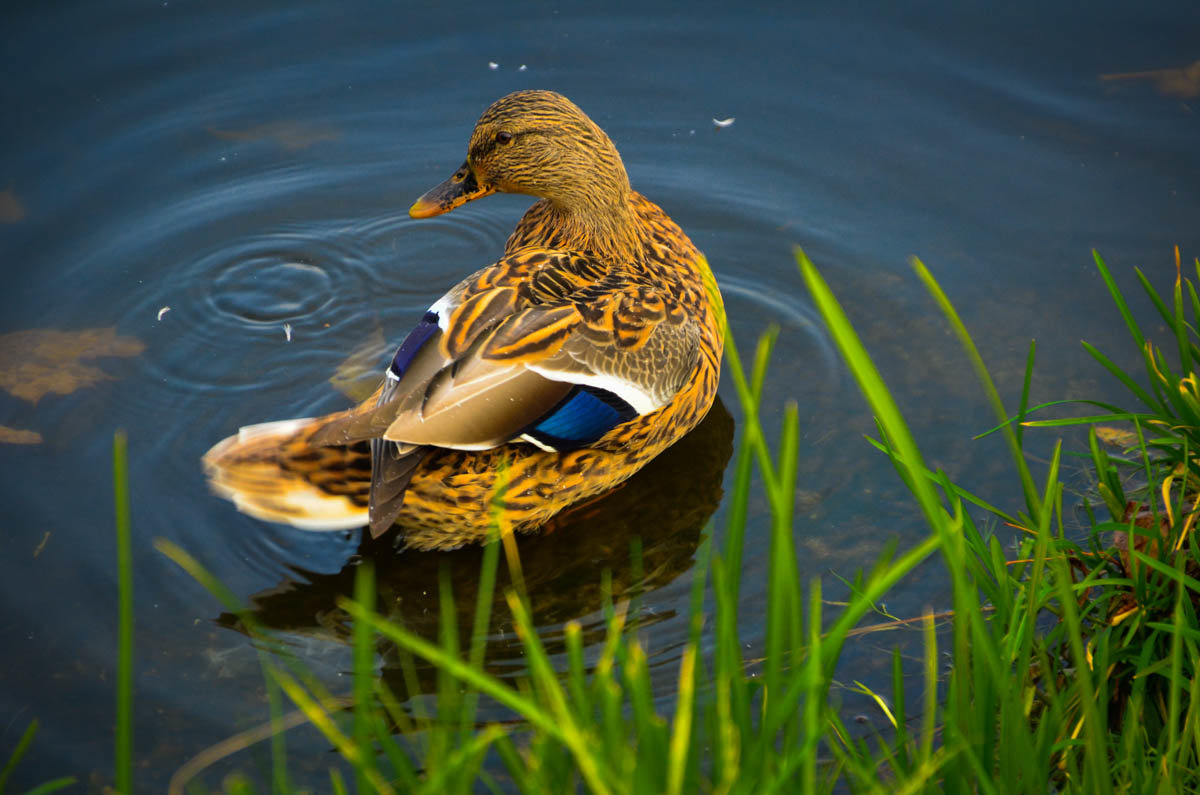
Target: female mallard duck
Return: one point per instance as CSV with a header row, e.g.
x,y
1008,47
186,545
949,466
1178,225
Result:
x,y
547,378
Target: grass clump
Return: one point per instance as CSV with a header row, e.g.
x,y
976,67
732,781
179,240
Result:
x,y
1139,572
1071,665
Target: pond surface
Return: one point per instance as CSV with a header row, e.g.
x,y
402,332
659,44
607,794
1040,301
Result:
x,y
182,183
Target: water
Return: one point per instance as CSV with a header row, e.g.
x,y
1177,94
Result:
x,y
251,171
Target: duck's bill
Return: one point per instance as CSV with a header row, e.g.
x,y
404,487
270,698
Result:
x,y
461,188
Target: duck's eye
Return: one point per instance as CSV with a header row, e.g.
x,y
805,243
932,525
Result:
x,y
504,137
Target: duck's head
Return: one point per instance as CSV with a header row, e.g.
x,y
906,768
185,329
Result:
x,y
538,143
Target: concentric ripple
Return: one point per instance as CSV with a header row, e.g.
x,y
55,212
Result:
x,y
271,288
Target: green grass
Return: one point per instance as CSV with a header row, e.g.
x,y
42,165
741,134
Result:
x,y
1020,708
1071,663
124,734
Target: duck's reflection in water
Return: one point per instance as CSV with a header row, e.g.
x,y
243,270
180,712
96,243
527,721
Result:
x,y
641,537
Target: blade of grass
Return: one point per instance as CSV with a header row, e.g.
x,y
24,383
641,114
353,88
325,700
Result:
x,y
1095,758
15,757
449,698
337,783
815,686
930,711
124,732
784,639
739,498
54,785
1157,406
542,673
752,433
484,682
1119,300
403,771
463,761
871,384
1023,405
481,623
681,732
1180,324
732,719
319,716
1175,685
955,490
985,378
264,647
364,676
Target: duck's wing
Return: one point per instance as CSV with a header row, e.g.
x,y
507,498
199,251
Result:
x,y
548,346
440,391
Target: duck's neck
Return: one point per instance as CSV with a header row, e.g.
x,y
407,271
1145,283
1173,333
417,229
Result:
x,y
608,229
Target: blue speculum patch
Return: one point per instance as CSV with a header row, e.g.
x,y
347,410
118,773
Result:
x,y
586,414
412,343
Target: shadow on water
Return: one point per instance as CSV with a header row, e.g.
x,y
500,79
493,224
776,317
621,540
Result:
x,y
661,510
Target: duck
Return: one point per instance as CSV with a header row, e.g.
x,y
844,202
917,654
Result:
x,y
536,384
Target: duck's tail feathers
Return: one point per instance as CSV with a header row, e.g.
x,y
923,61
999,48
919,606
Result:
x,y
272,472
394,466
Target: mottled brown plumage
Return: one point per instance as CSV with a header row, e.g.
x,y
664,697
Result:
x,y
540,381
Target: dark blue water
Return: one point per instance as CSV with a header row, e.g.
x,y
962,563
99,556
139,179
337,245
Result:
x,y
251,171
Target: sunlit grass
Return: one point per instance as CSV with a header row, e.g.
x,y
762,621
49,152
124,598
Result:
x,y
1020,709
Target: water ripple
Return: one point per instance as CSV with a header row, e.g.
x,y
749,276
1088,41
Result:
x,y
270,286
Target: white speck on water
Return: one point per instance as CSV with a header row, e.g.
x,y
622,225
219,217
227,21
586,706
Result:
x,y
287,331
493,65
163,311
522,68
721,123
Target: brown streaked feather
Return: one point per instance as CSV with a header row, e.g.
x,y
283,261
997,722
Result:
x,y
659,367
558,276
531,335
476,314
